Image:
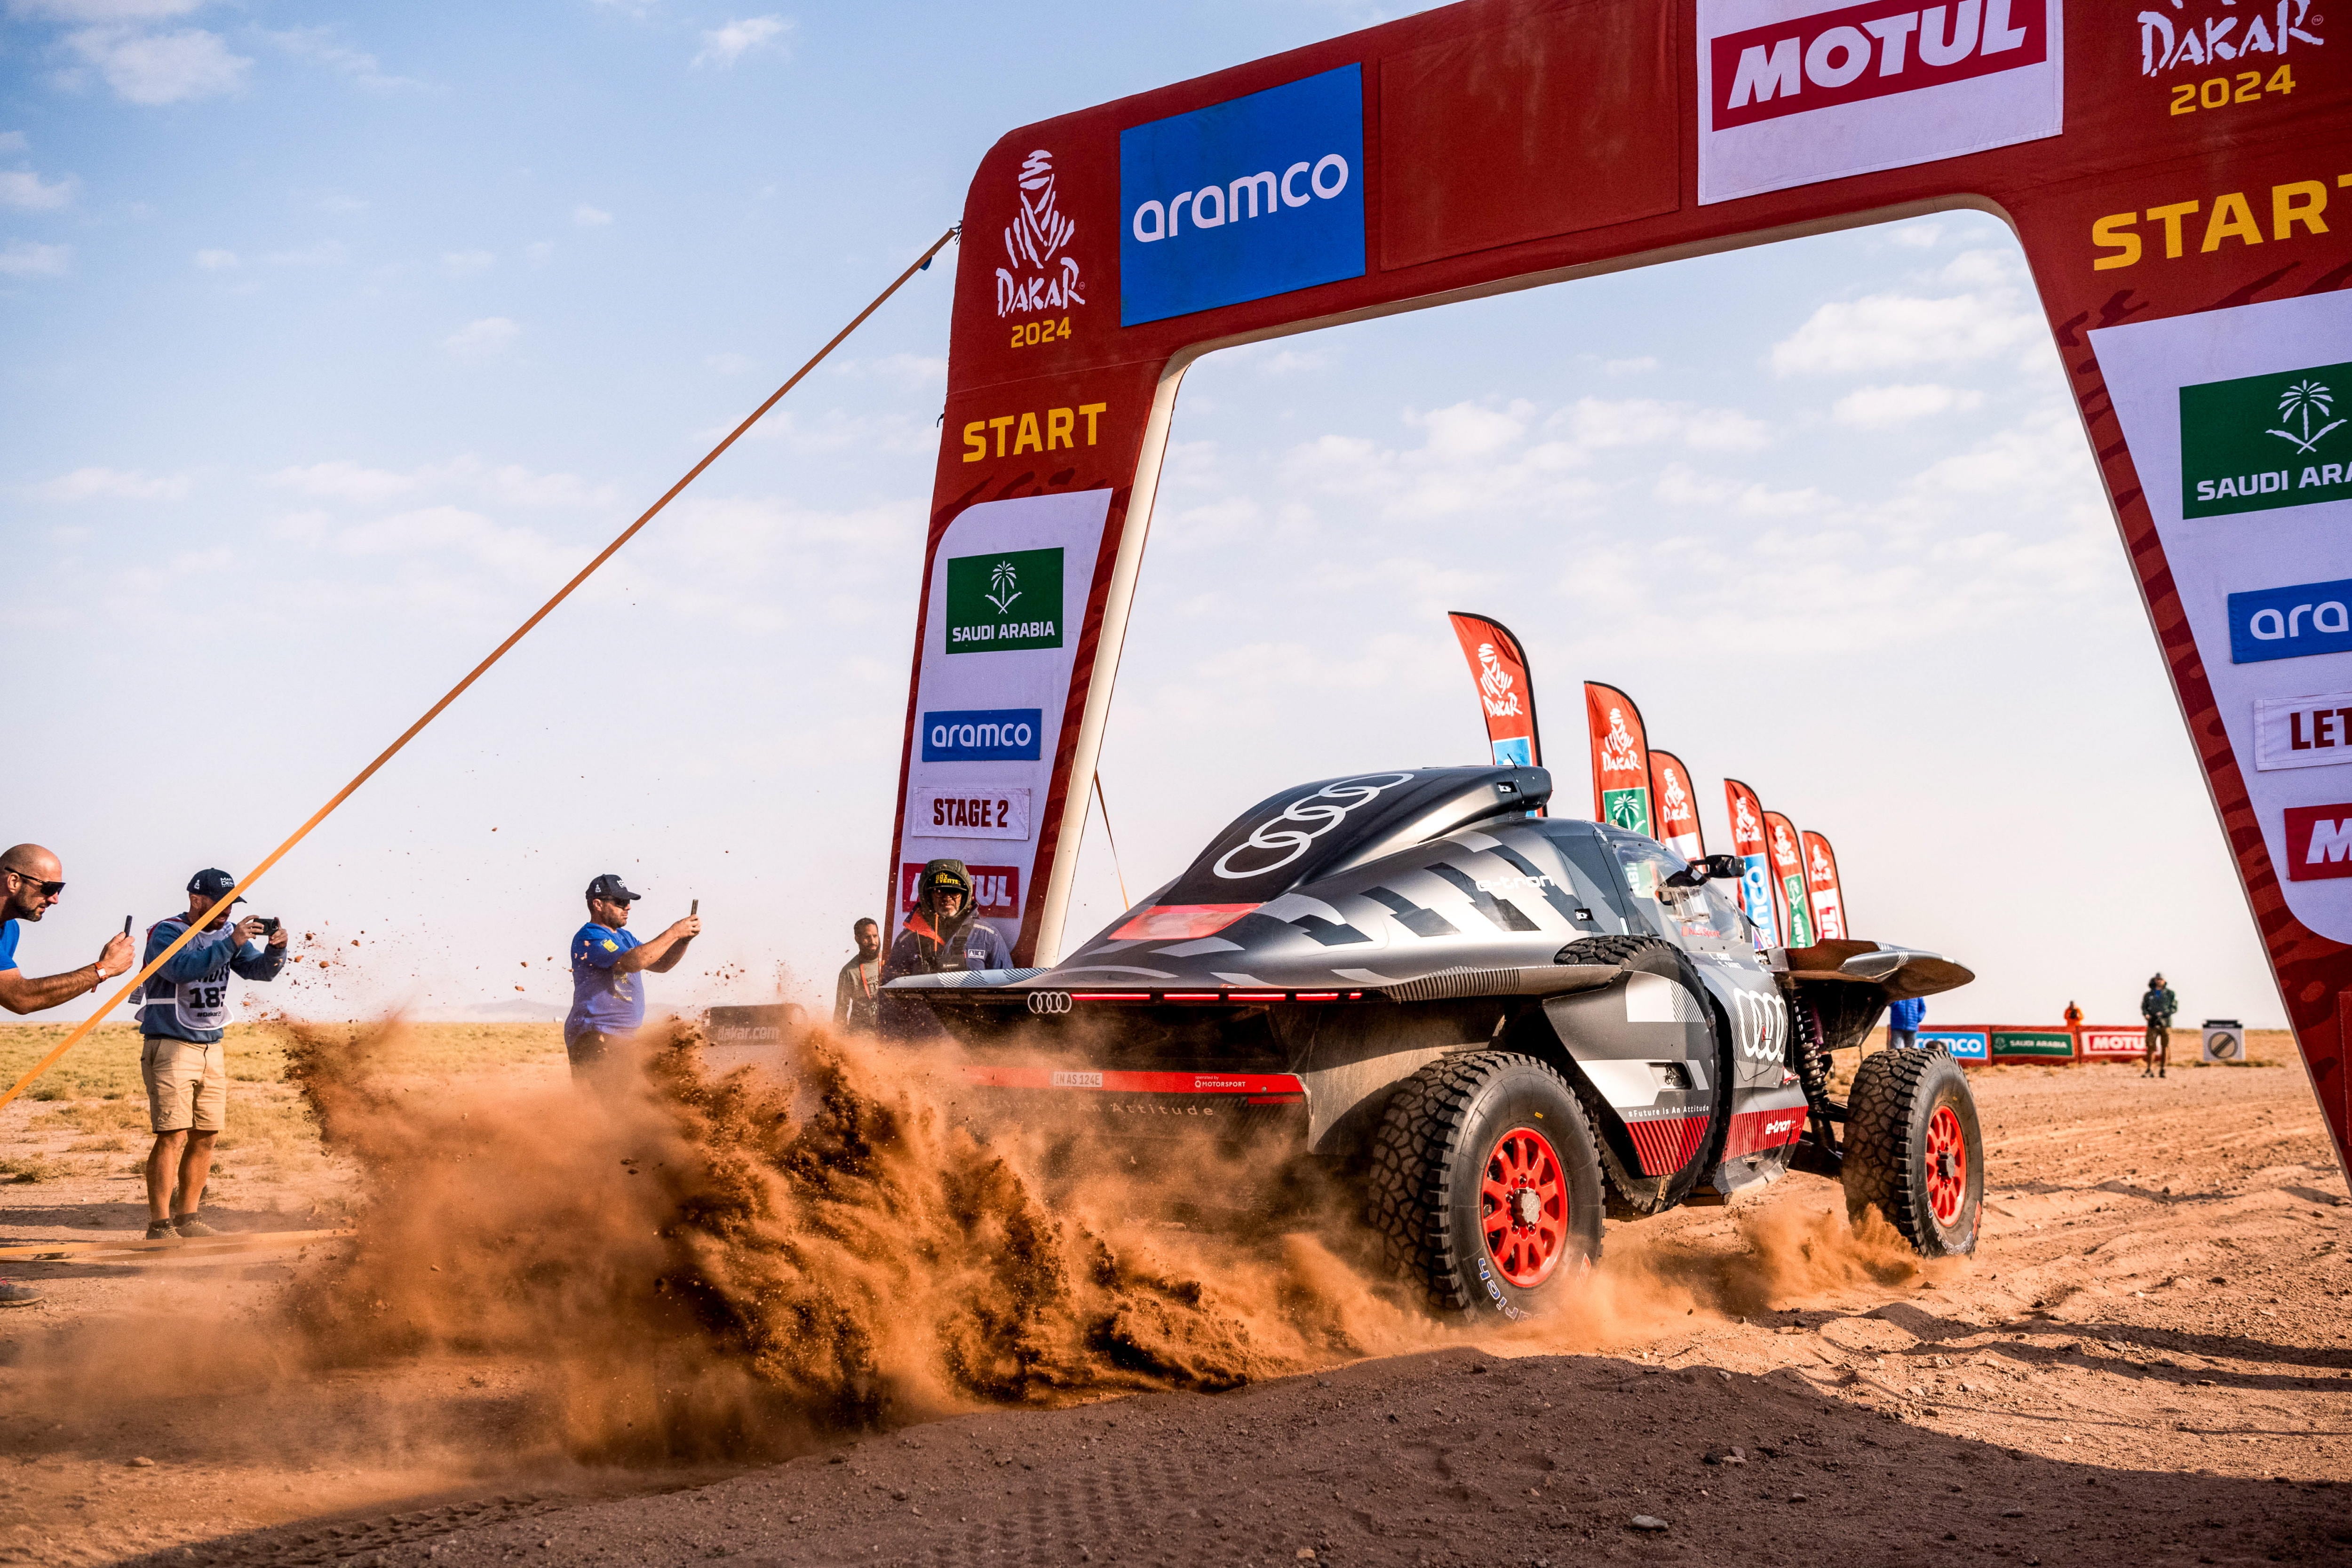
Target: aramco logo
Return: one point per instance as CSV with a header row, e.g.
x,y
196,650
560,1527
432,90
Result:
x,y
1495,685
1617,752
1041,277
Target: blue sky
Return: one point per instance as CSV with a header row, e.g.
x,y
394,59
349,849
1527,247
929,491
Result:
x,y
336,338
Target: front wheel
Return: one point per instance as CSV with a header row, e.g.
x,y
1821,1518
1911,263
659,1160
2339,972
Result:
x,y
1913,1150
1485,1184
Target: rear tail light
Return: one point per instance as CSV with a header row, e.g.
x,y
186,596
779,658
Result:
x,y
1177,922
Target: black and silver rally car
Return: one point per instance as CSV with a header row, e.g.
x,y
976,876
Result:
x,y
1501,1025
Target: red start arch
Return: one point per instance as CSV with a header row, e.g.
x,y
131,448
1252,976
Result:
x,y
2179,173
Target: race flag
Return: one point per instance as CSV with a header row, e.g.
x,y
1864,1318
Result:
x,y
1756,872
1621,759
1679,827
1506,697
1782,843
1821,886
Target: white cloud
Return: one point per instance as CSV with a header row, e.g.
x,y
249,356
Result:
x,y
725,46
344,481
356,484
538,252
103,10
465,263
111,484
1877,408
319,45
905,369
1894,332
1917,235
1598,422
23,188
480,340
729,363
587,216
217,260
27,259
162,68
1635,366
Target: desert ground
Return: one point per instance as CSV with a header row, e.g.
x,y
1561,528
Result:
x,y
2149,1359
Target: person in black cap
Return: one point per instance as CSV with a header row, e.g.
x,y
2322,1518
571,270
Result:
x,y
940,934
183,1009
608,1000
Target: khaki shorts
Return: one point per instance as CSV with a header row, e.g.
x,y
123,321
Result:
x,y
187,1085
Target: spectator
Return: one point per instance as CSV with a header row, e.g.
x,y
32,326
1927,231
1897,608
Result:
x,y
30,881
853,1006
2158,1004
608,1002
183,1010
941,935
1903,1023
2073,1017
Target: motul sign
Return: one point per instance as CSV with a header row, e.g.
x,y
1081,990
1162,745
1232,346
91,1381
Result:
x,y
1869,51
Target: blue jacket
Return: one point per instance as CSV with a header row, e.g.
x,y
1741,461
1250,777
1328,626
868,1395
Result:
x,y
1907,1014
187,999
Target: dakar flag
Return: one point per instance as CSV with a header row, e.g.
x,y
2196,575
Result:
x,y
1679,827
1821,886
1786,847
1621,759
1506,699
1754,867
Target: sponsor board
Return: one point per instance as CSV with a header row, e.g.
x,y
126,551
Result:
x,y
995,890
2294,622
983,735
2118,1042
2050,1044
1960,1045
1257,195
958,811
1004,601
2201,397
2303,732
1794,92
2259,442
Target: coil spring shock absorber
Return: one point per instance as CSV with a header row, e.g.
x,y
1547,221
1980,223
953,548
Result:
x,y
1813,1072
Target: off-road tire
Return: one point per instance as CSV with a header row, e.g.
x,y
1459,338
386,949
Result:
x,y
1446,1126
1632,1194
1615,949
1892,1159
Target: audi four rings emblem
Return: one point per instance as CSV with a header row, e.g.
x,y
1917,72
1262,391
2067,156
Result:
x,y
1049,1001
1317,815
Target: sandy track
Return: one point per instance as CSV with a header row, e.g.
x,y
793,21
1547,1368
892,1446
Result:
x,y
2149,1360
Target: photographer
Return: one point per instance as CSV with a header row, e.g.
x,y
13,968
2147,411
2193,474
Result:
x,y
608,1000
183,1009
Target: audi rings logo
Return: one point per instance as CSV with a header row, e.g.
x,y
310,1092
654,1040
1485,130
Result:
x,y
1302,822
1049,1003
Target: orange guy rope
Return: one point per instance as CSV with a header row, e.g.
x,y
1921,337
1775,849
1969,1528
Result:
x,y
367,772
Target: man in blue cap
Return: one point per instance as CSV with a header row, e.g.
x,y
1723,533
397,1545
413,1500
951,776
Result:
x,y
184,1008
608,1000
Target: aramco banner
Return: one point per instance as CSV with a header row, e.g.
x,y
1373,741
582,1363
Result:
x,y
1823,888
1506,698
1786,850
1677,803
1747,815
1621,759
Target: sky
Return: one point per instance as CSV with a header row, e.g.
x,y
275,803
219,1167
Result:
x,y
336,338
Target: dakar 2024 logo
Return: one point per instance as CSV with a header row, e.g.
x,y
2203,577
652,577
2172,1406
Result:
x,y
1494,684
1041,277
2170,37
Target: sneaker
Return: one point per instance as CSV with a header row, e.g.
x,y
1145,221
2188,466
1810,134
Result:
x,y
190,1228
2159,1072
161,1230
17,1295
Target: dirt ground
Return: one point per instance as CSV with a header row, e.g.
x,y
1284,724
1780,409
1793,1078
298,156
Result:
x,y
2149,1360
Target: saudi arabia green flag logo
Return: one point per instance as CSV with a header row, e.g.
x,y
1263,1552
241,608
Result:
x,y
2265,441
1801,913
1627,808
1006,600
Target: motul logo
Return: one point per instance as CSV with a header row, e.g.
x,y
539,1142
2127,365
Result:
x,y
1868,51
2318,842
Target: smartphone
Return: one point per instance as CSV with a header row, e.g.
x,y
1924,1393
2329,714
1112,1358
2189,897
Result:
x,y
126,925
693,908
268,925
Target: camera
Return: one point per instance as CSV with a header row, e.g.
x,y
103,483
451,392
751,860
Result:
x,y
269,926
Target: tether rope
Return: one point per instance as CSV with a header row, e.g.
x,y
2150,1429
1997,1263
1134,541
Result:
x,y
367,772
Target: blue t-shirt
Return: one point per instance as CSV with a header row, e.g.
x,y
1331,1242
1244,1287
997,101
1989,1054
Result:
x,y
607,1003
7,946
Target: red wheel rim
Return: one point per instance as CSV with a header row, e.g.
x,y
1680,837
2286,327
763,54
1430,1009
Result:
x,y
1947,1166
1523,1207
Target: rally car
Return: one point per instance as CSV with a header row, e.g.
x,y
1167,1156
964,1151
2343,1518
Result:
x,y
1503,1024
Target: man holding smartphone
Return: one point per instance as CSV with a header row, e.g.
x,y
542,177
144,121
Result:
x,y
184,1009
608,1000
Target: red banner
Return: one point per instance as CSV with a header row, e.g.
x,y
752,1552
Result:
x,y
1823,888
1506,697
1621,759
1786,850
1747,815
1677,803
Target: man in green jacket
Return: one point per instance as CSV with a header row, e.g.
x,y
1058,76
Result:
x,y
2158,1005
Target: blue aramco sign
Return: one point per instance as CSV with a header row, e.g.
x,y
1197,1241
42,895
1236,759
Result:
x,y
1255,196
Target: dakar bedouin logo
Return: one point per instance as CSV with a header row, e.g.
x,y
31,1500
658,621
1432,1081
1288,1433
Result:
x,y
2264,441
1041,276
2217,37
1495,685
1677,802
1617,753
1747,829
1821,874
1783,852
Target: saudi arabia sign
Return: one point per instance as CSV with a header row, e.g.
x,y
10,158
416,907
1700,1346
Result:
x,y
2264,441
1004,601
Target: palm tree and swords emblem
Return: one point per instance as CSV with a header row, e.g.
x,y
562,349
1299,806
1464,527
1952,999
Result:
x,y
1005,588
2305,398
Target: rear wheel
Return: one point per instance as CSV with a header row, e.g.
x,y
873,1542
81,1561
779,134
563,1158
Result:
x,y
1913,1150
1485,1184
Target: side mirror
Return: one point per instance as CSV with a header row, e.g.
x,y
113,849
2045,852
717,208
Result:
x,y
1706,868
1722,865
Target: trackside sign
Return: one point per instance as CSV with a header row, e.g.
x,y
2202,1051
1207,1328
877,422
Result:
x,y
1794,93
